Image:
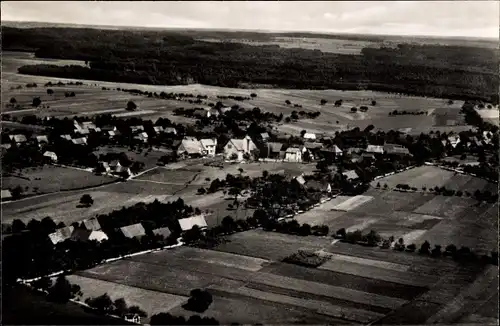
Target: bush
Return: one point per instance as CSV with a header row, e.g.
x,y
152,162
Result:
x,y
305,230
425,248
102,304
436,252
199,301
305,258
341,233
411,248
320,230
201,191
354,237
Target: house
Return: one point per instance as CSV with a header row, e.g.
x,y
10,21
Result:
x,y
320,186
51,155
5,146
109,128
189,222
274,150
190,146
164,232
67,137
42,139
354,150
201,113
394,149
225,109
113,133
91,224
375,149
88,235
90,126
264,137
136,129
158,129
6,194
123,171
113,165
133,231
18,139
104,166
209,146
454,140
368,157
82,131
314,149
143,136
132,318
309,136
337,151
351,175
293,154
213,112
79,141
61,234
170,130
237,148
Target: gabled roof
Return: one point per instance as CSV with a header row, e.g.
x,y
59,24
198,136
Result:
x,y
395,149
239,144
313,145
6,194
351,175
42,139
79,141
293,150
189,222
134,230
191,146
375,149
170,130
274,147
88,235
91,224
49,154
61,234
19,138
317,185
67,137
208,142
336,149
165,232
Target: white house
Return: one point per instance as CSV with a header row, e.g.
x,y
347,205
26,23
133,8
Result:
x,y
309,136
18,139
61,234
189,222
209,145
190,146
133,231
51,155
293,154
238,148
170,130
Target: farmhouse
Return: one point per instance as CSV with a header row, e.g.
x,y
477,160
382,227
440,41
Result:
x,y
225,109
18,139
274,150
375,149
314,148
351,175
143,136
88,235
320,186
209,146
6,194
91,224
170,130
158,129
191,147
136,129
293,154
454,140
42,139
238,148
201,113
51,155
79,141
61,234
164,232
213,112
309,136
394,149
189,222
133,231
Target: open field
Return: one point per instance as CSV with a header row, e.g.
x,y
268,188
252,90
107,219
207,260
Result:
x,y
91,99
50,178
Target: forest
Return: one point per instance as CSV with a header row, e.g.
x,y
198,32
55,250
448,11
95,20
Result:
x,y
175,57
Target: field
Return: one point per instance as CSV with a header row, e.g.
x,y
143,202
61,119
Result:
x,y
250,285
50,178
91,99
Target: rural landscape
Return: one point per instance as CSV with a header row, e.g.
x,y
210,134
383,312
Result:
x,y
218,177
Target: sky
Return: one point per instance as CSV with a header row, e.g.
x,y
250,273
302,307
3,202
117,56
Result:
x,y
432,18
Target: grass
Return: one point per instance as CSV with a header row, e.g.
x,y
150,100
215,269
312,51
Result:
x,y
146,156
50,178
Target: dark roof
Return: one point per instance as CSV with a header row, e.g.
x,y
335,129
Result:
x,y
313,145
316,184
91,224
275,147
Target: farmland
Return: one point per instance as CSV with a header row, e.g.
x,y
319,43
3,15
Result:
x,y
50,178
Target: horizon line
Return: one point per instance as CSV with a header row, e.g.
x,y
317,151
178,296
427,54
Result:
x,y
263,31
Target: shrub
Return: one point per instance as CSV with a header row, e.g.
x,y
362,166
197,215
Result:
x,y
341,233
305,258
305,230
424,248
436,252
354,237
320,230
199,301
411,248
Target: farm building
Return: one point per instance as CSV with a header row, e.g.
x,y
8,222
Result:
x,y
79,141
123,171
88,235
133,231
165,232
293,154
238,148
316,185
51,155
136,129
201,113
225,109
18,139
274,150
143,136
104,166
309,136
351,175
67,137
91,224
375,149
213,112
353,150
170,130
209,146
158,129
393,149
190,146
189,222
454,140
42,139
314,148
61,234
6,194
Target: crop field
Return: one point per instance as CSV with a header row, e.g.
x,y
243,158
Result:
x,y
50,178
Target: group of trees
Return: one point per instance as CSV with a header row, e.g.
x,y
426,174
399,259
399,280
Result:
x,y
404,112
104,305
293,227
168,319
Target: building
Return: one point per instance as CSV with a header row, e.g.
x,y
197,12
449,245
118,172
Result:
x,y
61,234
133,318
394,149
351,175
133,231
201,113
191,147
209,146
293,154
6,194
164,232
321,186
213,112
79,141
42,139
275,150
91,224
143,137
104,166
225,109
18,139
375,149
170,130
189,222
264,137
51,155
113,165
88,235
136,129
122,171
158,129
66,137
314,149
237,148
309,136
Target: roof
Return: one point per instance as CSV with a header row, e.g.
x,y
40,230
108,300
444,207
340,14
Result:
x,y
143,135
169,130
375,149
293,150
48,153
6,194
188,223
336,149
313,145
354,150
120,169
134,230
351,175
165,232
395,149
275,147
6,146
83,131
208,142
68,137
19,138
137,127
61,234
315,184
239,144
79,141
158,128
264,135
192,146
42,138
309,135
88,235
300,179
91,224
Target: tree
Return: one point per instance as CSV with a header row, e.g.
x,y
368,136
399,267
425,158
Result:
x,y
302,133
425,248
411,248
436,252
373,238
47,225
136,310
305,230
18,226
354,109
120,307
323,101
50,91
43,284
192,235
253,95
86,200
131,106
374,103
13,100
17,191
287,102
341,233
36,102
228,224
62,290
265,174
199,301
306,157
72,94
102,304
